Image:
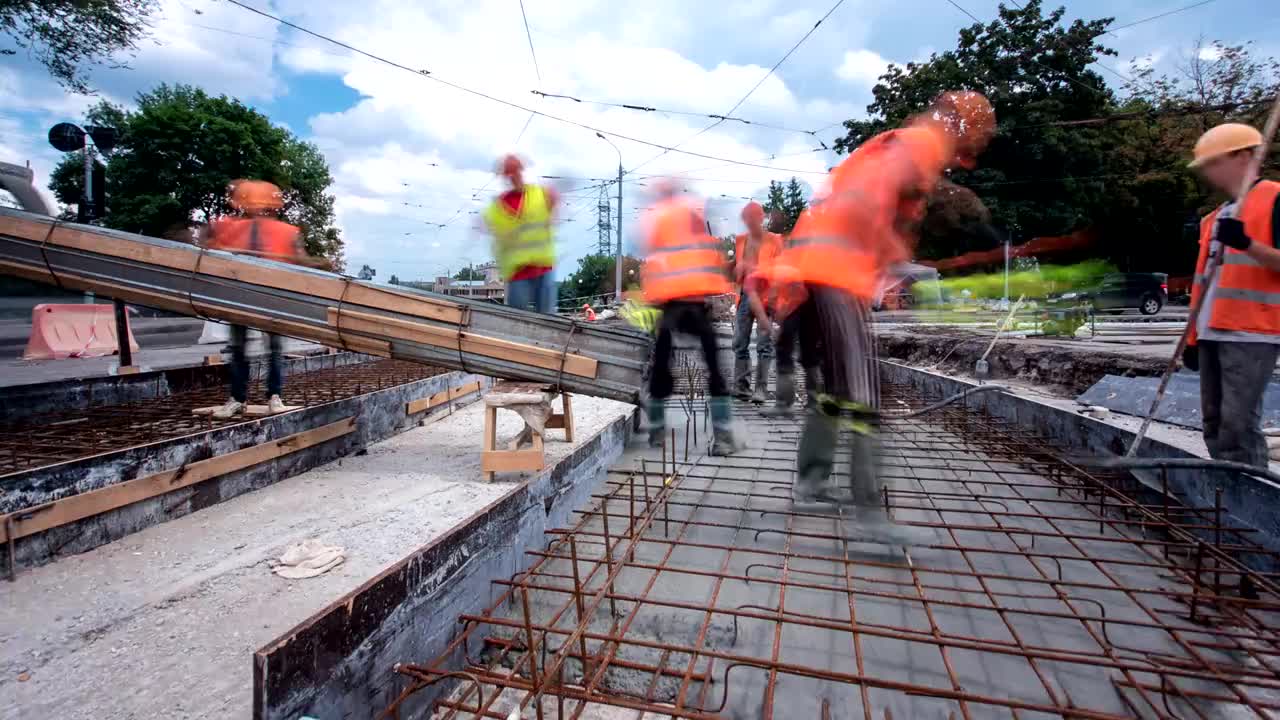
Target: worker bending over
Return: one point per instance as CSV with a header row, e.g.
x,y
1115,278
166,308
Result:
x,y
754,247
683,268
1235,341
520,221
866,219
255,232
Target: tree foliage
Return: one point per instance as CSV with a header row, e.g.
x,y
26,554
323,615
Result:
x,y
1069,153
179,150
366,273
67,36
469,273
595,276
784,204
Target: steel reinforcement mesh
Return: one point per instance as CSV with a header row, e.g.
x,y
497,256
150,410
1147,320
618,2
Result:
x,y
75,434
692,588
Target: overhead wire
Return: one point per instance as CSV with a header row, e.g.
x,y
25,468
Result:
x,y
668,111
424,73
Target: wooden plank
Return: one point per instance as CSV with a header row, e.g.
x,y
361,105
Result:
x,y
95,502
493,461
355,321
177,258
282,277
467,389
249,410
417,406
384,299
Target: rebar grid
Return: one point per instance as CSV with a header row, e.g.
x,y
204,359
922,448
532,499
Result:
x,y
696,590
75,434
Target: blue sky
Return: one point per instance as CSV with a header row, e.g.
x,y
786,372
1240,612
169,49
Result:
x,y
408,153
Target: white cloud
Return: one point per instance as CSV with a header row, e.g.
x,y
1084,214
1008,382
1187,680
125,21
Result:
x,y
862,67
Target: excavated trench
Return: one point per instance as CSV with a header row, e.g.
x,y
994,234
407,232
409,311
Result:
x,y
1055,365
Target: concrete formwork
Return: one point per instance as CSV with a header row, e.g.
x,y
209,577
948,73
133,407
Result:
x,y
373,414
1030,588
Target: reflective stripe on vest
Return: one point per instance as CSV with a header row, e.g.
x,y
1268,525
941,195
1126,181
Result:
x,y
522,239
708,269
1258,296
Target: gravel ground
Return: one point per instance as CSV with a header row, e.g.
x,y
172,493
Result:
x,y
164,623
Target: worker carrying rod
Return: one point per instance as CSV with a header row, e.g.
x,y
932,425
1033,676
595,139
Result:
x,y
866,219
683,268
1236,339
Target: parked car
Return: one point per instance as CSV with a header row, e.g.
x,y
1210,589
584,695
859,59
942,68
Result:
x,y
1145,292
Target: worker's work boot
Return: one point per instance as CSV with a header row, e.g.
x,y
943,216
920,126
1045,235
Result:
x,y
233,408
742,378
784,397
814,460
657,416
723,441
275,405
871,524
864,481
761,393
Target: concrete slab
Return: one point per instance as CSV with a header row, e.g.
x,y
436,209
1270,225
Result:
x,y
163,623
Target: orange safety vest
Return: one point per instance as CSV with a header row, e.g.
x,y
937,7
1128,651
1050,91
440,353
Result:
x,y
780,287
769,247
265,237
1247,297
684,260
859,224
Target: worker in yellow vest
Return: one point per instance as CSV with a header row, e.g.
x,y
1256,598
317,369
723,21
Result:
x,y
520,221
1236,339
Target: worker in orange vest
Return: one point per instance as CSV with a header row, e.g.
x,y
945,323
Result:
x,y
1235,342
255,232
684,267
754,247
864,220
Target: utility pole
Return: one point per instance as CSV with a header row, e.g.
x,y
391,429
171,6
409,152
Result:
x,y
617,258
617,264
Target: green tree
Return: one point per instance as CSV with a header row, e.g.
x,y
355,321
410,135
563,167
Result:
x,y
793,204
67,35
777,199
595,276
366,273
1035,71
469,273
394,280
181,148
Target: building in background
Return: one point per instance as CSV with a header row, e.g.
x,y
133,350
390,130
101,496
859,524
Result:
x,y
491,288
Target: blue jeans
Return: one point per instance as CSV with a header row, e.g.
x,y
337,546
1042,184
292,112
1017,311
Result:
x,y
240,365
742,324
537,293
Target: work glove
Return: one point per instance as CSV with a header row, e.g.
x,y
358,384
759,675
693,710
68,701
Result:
x,y
1191,358
1230,232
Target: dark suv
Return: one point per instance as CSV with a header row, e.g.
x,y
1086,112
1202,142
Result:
x,y
1147,292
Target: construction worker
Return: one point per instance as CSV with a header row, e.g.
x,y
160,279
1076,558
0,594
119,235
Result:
x,y
520,220
865,219
684,266
1236,339
754,247
255,232
774,291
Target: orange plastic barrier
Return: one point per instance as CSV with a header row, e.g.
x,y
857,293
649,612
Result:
x,y
69,331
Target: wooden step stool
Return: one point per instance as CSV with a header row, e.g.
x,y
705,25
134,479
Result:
x,y
532,401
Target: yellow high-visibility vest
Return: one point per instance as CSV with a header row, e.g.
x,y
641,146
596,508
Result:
x,y
522,239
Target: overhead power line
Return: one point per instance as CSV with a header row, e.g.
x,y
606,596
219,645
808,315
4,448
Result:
x,y
668,111
536,70
424,73
753,89
1165,14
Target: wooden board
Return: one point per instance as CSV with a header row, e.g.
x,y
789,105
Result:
x,y
426,403
384,299
359,322
249,410
95,502
492,461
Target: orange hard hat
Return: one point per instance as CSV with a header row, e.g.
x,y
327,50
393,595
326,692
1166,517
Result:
x,y
969,117
752,212
1223,140
254,195
510,165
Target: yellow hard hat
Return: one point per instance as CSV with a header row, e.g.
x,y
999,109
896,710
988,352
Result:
x,y
1223,139
255,195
